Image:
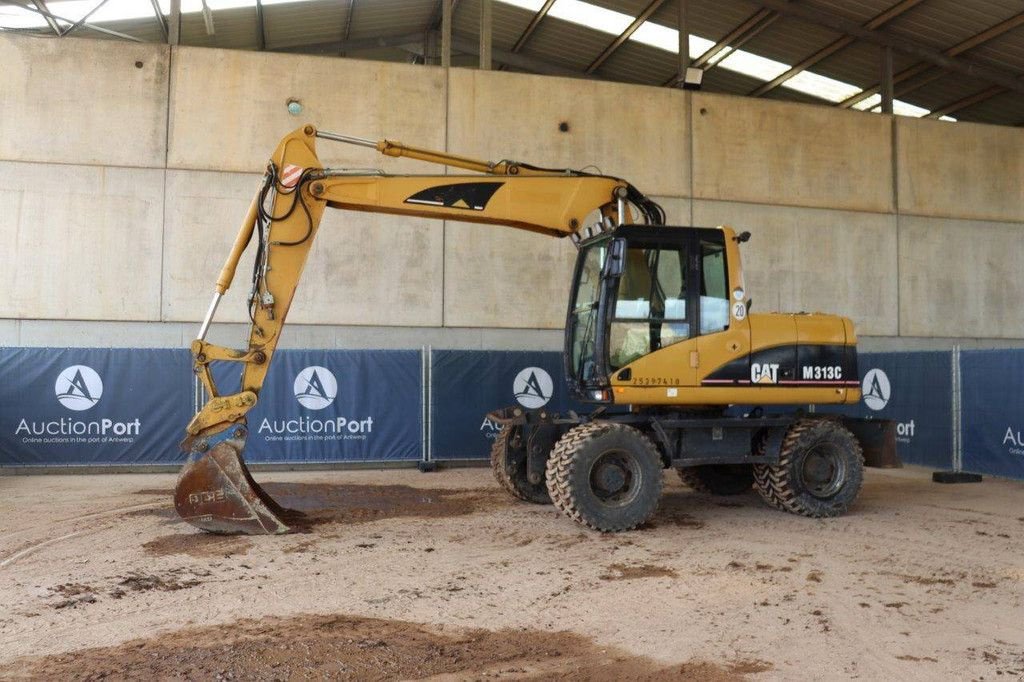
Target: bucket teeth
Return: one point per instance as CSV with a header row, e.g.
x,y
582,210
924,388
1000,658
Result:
x,y
216,493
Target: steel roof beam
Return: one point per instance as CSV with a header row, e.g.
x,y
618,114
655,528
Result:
x,y
994,75
624,36
972,42
737,37
532,26
261,28
41,5
348,20
51,15
81,21
969,101
159,18
830,49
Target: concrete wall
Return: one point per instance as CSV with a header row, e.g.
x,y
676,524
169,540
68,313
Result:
x,y
125,170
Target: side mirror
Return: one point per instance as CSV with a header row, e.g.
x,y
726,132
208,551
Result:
x,y
615,261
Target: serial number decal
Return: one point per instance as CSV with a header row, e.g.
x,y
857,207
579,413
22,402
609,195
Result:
x,y
826,373
655,381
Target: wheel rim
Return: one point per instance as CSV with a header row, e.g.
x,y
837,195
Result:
x,y
823,470
615,478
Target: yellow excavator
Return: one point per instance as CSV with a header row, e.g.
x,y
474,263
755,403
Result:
x,y
658,338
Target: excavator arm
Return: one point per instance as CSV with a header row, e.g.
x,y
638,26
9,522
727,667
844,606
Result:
x,y
215,491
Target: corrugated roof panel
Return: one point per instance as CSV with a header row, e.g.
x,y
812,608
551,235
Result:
x,y
320,22
372,18
729,82
1005,109
860,64
943,23
860,11
565,44
507,22
1006,51
789,40
941,92
233,29
143,29
635,62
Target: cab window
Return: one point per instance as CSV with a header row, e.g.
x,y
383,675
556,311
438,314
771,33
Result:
x,y
650,309
714,288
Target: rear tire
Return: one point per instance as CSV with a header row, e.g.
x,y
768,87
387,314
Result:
x,y
606,476
515,483
819,473
718,479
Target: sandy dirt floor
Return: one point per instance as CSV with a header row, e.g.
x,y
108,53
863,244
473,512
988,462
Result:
x,y
411,575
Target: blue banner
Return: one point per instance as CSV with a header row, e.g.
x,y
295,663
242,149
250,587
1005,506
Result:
x,y
90,406
466,385
321,406
992,410
914,390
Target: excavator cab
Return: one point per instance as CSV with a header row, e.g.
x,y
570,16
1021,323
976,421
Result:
x,y
638,290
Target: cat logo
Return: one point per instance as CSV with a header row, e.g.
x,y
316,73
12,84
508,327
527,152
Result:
x,y
764,373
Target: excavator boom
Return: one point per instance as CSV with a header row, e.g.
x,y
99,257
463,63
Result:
x,y
215,491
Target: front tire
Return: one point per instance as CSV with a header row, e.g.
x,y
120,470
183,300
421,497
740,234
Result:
x,y
718,479
606,476
819,473
515,483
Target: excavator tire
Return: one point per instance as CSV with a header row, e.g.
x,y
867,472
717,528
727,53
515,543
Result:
x,y
605,476
517,486
718,479
819,473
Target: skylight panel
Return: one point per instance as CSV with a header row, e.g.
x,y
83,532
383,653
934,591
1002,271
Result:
x,y
821,86
121,10
14,17
753,65
868,103
532,5
591,16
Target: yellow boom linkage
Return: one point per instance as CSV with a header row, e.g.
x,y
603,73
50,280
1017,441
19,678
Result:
x,y
215,491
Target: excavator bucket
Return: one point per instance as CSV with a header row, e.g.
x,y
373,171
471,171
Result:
x,y
216,493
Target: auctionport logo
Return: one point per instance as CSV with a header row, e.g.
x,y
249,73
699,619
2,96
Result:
x,y
78,387
875,389
315,387
533,388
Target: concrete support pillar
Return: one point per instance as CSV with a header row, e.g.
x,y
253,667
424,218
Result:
x,y
886,80
485,34
174,20
446,33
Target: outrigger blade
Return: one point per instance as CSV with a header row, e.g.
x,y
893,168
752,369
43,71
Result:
x,y
216,492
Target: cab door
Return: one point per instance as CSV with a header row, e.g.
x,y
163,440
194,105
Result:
x,y
723,339
652,329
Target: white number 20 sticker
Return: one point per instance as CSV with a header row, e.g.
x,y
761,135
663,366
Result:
x,y
739,310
